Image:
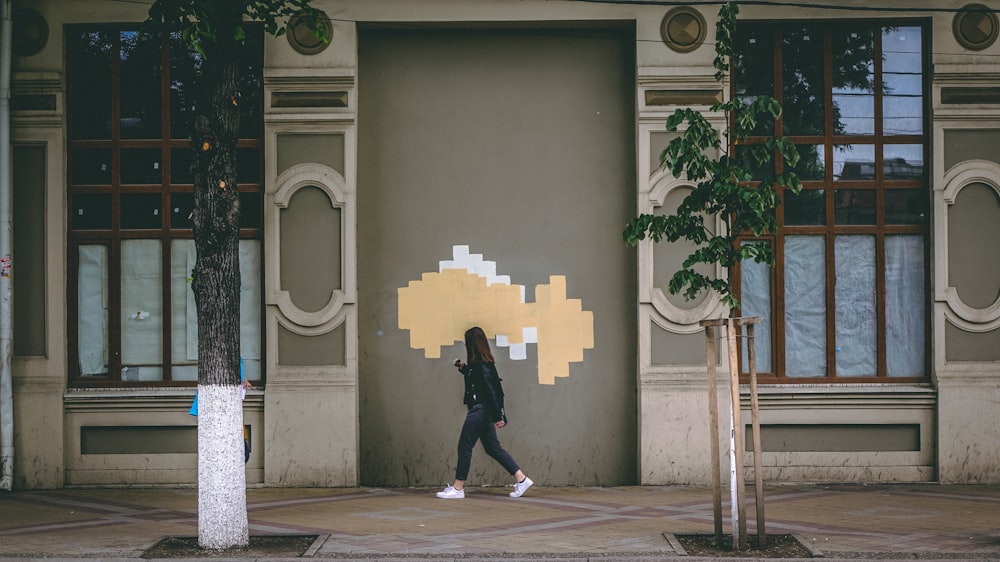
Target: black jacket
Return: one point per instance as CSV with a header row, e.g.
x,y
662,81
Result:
x,y
482,386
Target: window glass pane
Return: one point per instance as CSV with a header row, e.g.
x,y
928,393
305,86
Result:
x,y
802,81
88,84
903,161
905,310
812,162
905,206
184,67
248,165
142,210
142,166
753,68
755,300
753,60
183,313
853,82
855,315
805,306
180,166
142,310
250,309
140,86
92,309
806,208
251,210
91,211
854,162
902,81
181,206
90,166
854,206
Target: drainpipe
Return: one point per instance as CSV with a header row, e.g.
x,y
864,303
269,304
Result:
x,y
6,263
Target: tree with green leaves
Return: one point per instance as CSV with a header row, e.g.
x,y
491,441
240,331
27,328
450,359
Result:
x,y
725,172
216,31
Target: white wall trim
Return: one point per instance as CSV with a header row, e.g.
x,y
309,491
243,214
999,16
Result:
x,y
961,175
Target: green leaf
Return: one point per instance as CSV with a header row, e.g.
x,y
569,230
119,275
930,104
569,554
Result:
x,y
722,187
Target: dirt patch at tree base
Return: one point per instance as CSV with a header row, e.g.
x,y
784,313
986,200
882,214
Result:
x,y
775,546
262,546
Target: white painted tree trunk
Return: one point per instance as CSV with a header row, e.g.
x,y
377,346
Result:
x,y
222,497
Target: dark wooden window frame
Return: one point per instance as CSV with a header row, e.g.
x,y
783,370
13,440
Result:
x,y
829,230
112,238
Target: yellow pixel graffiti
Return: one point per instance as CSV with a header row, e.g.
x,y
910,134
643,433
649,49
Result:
x,y
441,306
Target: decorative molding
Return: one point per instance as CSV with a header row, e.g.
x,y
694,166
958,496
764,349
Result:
x,y
661,88
683,97
309,99
676,76
962,315
309,90
970,95
676,378
311,379
672,317
843,396
168,400
963,73
344,374
967,373
968,172
36,102
968,318
315,79
325,327
36,99
334,186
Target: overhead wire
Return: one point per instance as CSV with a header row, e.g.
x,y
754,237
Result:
x,y
817,5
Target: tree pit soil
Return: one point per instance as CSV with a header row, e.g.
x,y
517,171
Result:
x,y
775,546
261,546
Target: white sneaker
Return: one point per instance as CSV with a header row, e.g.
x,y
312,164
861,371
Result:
x,y
450,493
521,487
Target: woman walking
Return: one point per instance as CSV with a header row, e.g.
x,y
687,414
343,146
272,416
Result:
x,y
484,398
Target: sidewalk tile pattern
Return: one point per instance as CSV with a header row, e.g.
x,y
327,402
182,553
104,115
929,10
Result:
x,y
919,520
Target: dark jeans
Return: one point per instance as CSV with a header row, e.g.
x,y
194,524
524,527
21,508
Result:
x,y
479,427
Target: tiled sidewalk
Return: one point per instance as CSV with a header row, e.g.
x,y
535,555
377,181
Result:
x,y
887,521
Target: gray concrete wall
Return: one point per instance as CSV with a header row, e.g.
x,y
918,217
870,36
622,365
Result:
x,y
519,144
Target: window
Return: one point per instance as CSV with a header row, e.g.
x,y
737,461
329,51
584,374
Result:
x,y
847,298
132,316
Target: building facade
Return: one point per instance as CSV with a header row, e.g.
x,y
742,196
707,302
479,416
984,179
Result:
x,y
442,164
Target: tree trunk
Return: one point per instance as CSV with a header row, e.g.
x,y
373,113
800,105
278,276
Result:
x,y
222,514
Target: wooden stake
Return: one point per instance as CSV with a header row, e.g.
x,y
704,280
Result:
x,y
740,526
758,481
713,425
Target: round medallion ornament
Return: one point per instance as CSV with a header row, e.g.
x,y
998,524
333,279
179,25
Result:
x,y
301,38
975,27
683,29
30,32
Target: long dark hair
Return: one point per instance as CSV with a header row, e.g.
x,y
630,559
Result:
x,y
477,346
